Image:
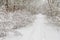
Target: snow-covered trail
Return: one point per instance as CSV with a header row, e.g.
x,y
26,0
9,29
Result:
x,y
44,31
38,31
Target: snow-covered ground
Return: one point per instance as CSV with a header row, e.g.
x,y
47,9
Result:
x,y
40,30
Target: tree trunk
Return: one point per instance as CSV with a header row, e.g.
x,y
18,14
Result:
x,y
6,5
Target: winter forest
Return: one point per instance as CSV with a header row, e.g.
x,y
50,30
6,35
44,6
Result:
x,y
18,14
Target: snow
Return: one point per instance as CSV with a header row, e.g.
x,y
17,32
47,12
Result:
x,y
40,30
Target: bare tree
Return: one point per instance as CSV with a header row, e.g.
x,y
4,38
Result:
x,y
6,5
52,9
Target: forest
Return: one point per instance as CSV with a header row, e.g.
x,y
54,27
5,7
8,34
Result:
x,y
15,14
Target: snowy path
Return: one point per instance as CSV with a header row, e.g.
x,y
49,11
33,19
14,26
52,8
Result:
x,y
44,31
38,31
